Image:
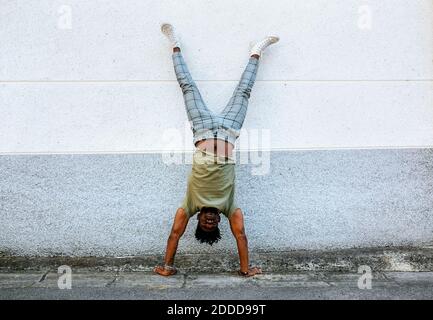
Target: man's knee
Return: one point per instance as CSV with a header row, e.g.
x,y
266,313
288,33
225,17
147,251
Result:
x,y
237,211
244,91
186,86
180,210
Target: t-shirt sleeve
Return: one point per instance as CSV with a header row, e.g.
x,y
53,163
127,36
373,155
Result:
x,y
186,206
232,210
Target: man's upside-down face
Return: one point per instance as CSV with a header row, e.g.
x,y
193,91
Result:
x,y
208,220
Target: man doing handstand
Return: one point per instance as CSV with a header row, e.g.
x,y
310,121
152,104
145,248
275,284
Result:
x,y
211,184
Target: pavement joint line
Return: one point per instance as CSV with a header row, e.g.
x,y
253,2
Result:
x,y
395,281
383,274
184,280
43,277
116,276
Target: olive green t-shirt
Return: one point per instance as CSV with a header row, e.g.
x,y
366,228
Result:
x,y
211,183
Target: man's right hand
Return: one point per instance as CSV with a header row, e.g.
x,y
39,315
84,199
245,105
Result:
x,y
164,272
251,272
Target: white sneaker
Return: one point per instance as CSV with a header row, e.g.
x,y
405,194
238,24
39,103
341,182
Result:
x,y
263,44
168,30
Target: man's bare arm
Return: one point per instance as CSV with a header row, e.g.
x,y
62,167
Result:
x,y
238,230
177,230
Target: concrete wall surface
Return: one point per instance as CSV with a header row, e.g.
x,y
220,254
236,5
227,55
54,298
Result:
x,y
90,110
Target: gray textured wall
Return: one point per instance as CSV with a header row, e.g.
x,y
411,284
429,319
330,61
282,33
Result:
x,y
123,204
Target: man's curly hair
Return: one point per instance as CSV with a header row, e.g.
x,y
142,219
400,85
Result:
x,y
207,237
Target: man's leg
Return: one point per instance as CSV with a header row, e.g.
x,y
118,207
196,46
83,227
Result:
x,y
234,113
199,116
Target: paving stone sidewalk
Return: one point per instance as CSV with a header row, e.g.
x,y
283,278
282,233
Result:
x,y
144,285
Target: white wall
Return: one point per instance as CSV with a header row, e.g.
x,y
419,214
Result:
x,y
90,76
96,76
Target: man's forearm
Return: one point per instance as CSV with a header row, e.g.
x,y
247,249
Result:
x,y
170,252
242,244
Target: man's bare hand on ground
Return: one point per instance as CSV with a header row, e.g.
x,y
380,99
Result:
x,y
252,272
164,272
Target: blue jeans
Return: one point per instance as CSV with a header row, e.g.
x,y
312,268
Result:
x,y
204,123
